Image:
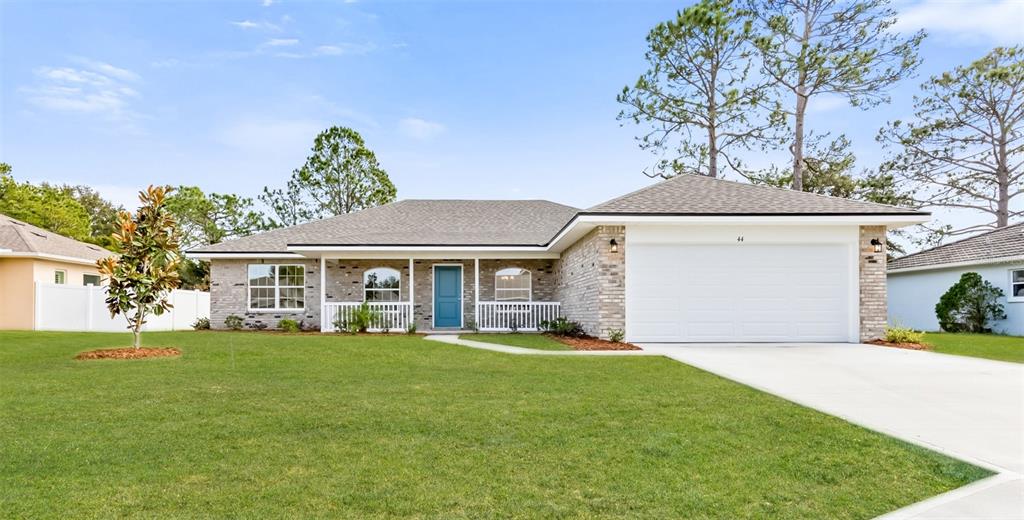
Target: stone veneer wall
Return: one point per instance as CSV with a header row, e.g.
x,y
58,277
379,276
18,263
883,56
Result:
x,y
229,287
591,281
872,284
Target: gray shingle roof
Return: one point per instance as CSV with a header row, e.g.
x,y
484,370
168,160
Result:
x,y
1001,243
22,237
700,195
419,223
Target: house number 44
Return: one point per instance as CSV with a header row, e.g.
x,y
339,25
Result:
x,y
739,238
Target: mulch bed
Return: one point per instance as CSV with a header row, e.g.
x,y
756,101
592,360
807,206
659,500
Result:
x,y
129,353
908,346
591,343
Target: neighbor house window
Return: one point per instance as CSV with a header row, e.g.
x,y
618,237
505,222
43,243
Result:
x,y
512,284
382,284
1017,284
90,279
277,287
60,277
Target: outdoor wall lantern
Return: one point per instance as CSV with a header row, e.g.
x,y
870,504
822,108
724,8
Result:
x,y
876,244
615,246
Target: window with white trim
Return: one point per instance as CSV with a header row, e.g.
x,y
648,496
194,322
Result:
x,y
60,276
90,279
1017,284
382,284
277,287
512,284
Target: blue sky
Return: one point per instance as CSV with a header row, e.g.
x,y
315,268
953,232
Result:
x,y
458,99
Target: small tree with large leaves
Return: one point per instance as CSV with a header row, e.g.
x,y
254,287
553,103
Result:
x,y
147,268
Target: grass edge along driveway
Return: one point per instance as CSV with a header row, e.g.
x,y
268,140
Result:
x,y
987,346
397,426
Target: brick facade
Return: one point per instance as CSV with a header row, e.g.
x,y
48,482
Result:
x,y
591,281
229,294
873,311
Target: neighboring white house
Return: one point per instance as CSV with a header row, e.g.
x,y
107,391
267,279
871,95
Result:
x,y
917,281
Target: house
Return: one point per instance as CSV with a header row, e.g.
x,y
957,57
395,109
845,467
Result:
x,y
690,259
31,255
917,281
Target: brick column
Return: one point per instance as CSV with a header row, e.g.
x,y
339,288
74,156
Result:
x,y
873,311
611,272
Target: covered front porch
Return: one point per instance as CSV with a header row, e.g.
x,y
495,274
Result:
x,y
438,294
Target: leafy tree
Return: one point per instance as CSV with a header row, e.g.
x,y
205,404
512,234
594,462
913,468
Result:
x,y
102,213
340,176
965,147
697,95
827,47
44,206
205,219
969,305
147,267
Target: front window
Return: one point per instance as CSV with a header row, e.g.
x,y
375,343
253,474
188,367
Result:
x,y
60,277
512,284
1017,284
382,284
276,287
90,279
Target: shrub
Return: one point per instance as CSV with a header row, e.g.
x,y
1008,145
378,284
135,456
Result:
x,y
969,305
233,322
201,324
411,329
897,334
361,319
616,335
563,327
287,325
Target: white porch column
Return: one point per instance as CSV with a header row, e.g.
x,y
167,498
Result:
x,y
323,293
412,292
476,291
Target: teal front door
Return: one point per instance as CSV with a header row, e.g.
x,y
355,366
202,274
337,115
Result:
x,y
447,296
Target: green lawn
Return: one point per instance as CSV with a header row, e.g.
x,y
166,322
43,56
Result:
x,y
1002,348
268,425
537,341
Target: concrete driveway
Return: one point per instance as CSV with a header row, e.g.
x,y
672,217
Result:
x,y
969,408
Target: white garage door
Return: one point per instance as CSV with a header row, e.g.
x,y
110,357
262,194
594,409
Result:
x,y
716,293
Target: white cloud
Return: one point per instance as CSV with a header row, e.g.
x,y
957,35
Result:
x,y
107,69
99,88
281,42
976,21
268,3
249,24
343,48
419,129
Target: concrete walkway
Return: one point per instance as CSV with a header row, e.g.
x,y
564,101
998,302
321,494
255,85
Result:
x,y
968,408
508,349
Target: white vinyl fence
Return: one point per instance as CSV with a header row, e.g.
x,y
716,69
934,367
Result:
x,y
82,308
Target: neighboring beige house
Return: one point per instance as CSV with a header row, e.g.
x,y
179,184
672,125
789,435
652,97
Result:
x,y
29,254
690,259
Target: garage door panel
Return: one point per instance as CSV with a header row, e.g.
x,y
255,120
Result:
x,y
710,293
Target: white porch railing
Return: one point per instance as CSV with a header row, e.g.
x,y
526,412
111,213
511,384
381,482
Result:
x,y
506,316
388,316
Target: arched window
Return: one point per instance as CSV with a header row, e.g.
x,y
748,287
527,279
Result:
x,y
382,284
512,284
